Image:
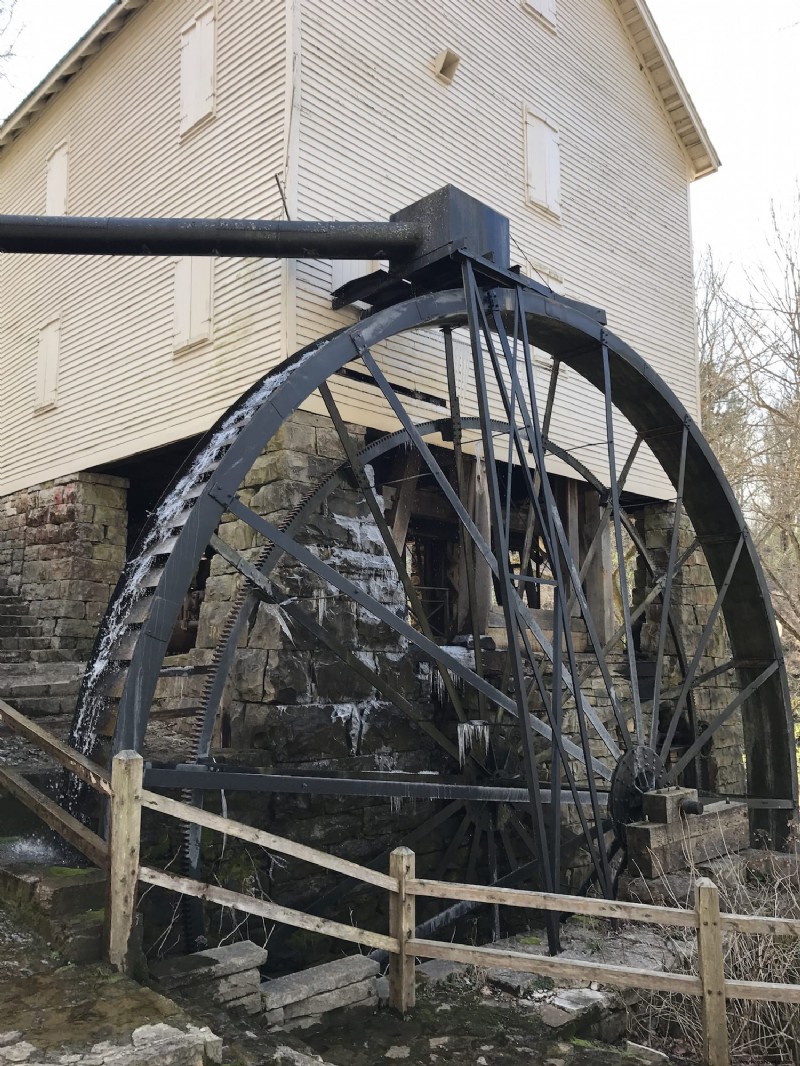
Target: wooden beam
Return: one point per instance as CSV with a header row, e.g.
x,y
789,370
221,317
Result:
x,y
263,909
552,901
402,923
711,964
409,472
126,826
558,967
597,581
88,843
84,768
186,813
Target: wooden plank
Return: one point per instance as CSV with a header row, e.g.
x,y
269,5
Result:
x,y
84,768
550,901
558,968
711,964
756,924
186,813
263,909
402,923
126,824
762,991
88,843
409,472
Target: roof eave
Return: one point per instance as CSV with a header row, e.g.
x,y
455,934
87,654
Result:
x,y
65,70
660,69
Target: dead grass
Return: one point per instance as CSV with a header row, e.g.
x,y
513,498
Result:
x,y
758,1032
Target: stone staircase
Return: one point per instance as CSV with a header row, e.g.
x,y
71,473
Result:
x,y
21,636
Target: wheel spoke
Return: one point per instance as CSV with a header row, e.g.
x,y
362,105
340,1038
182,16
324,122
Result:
x,y
623,577
666,599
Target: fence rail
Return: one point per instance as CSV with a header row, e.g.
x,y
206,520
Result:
x,y
121,856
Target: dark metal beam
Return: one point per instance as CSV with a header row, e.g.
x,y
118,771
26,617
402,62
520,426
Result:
x,y
68,235
190,775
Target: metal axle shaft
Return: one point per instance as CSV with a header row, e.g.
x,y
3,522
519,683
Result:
x,y
72,235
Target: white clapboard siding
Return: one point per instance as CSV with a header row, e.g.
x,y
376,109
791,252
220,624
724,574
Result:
x,y
121,386
379,130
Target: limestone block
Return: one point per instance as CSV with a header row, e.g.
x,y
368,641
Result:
x,y
274,1017
326,1001
664,804
211,964
317,980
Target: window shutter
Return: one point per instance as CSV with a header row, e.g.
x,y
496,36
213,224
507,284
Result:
x,y
197,70
47,366
192,315
57,180
181,328
205,60
543,163
201,297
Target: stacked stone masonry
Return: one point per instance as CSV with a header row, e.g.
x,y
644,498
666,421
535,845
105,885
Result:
x,y
62,547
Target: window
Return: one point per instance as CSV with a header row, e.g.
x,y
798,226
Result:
x,y
542,163
47,366
57,180
194,280
545,9
197,70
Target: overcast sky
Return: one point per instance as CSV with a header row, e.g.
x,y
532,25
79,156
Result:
x,y
739,61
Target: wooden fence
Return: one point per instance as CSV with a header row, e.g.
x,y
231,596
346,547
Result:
x,y
120,856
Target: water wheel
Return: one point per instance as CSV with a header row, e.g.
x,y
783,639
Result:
x,y
549,733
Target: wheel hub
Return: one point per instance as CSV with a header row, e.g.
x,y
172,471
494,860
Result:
x,y
639,771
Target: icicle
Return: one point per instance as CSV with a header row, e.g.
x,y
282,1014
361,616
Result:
x,y
471,735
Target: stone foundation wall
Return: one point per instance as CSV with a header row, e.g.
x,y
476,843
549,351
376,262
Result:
x,y
62,547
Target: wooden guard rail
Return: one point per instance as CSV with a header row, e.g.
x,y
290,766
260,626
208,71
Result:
x,y
121,857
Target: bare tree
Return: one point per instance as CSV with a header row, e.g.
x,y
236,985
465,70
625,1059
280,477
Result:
x,y
6,43
750,387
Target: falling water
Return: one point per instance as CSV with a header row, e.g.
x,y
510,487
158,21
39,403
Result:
x,y
115,625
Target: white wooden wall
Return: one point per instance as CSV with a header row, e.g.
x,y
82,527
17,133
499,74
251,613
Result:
x,y
342,102
121,385
378,130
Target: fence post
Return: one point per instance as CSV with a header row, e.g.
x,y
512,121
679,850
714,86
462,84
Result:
x,y
712,974
402,923
123,873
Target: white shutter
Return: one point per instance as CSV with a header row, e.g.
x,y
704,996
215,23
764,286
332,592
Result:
x,y
197,70
542,163
192,314
205,61
47,366
57,181
201,297
182,310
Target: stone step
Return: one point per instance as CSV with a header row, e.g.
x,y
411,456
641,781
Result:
x,y
42,706
22,631
51,655
24,643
